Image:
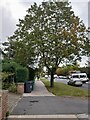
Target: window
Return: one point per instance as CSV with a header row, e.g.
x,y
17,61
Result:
x,y
75,76
82,76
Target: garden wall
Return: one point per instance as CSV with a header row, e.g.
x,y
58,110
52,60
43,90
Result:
x,y
20,88
3,103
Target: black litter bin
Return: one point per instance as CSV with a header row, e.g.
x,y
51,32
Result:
x,y
33,82
28,86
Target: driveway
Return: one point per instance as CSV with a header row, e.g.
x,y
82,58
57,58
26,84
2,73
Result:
x,y
41,102
43,105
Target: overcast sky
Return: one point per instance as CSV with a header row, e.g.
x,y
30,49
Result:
x,y
12,10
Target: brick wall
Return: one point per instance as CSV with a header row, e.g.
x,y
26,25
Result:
x,y
20,88
3,103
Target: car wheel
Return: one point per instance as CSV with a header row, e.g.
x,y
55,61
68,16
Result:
x,y
68,83
84,82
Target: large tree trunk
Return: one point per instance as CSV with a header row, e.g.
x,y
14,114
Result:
x,y
52,79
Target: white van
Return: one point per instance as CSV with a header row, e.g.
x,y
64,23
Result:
x,y
74,79
83,77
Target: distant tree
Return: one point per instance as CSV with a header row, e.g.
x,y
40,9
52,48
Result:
x,y
86,70
50,33
60,71
64,70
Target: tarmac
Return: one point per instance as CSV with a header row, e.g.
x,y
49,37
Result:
x,y
41,104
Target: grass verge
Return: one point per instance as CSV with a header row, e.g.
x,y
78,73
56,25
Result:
x,y
61,89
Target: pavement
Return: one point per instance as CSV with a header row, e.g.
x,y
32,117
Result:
x,y
41,104
39,90
13,100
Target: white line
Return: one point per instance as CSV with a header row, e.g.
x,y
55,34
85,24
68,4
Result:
x,y
42,116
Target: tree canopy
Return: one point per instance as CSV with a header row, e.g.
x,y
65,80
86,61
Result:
x,y
50,33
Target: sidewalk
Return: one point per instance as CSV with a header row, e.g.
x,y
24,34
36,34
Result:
x,y
13,100
41,104
39,90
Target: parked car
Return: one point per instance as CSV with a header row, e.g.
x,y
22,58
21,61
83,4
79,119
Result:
x,y
55,76
46,76
63,77
74,80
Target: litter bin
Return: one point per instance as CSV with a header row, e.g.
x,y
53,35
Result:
x,y
28,86
33,82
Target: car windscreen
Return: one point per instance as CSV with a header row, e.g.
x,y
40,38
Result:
x,y
75,76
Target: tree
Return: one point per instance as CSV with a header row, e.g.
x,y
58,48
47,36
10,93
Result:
x,y
8,50
64,70
51,34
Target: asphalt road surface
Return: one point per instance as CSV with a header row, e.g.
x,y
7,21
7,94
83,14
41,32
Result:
x,y
49,105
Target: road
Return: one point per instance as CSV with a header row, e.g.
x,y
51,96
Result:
x,y
84,86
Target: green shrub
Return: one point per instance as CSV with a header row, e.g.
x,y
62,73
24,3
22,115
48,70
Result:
x,y
9,66
22,74
5,85
9,86
7,114
12,88
5,67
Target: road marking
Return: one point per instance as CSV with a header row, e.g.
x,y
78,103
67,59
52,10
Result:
x,y
83,116
42,116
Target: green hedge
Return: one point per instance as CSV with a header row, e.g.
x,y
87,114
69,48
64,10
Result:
x,y
9,66
5,67
22,74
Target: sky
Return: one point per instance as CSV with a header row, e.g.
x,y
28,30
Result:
x,y
13,10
